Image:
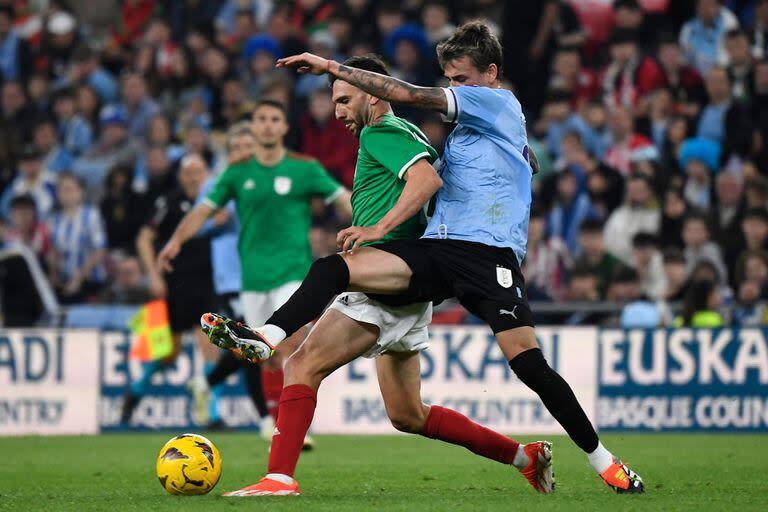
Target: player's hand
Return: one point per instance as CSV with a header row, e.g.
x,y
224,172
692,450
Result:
x,y
352,238
221,217
169,252
305,63
157,286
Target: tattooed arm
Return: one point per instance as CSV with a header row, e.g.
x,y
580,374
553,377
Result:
x,y
385,87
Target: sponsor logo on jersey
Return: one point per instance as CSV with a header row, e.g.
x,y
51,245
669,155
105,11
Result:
x,y
249,184
283,185
504,277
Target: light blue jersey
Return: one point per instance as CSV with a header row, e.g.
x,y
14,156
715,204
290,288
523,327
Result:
x,y
486,193
224,256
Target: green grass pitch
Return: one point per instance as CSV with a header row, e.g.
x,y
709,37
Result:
x,y
407,473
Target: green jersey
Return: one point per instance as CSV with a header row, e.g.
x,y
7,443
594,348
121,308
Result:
x,y
387,150
274,209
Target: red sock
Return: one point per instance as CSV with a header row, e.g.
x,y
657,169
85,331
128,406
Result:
x,y
272,384
297,408
455,428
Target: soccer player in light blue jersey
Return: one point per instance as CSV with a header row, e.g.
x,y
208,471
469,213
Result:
x,y
472,247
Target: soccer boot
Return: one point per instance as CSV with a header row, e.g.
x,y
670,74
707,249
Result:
x,y
539,471
237,337
266,487
622,479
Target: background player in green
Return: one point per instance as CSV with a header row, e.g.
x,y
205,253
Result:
x,y
272,191
393,178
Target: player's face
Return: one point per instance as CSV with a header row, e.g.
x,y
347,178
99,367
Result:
x,y
351,106
241,147
192,176
461,71
269,126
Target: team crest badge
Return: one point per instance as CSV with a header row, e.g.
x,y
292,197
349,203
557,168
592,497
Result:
x,y
249,185
283,185
504,277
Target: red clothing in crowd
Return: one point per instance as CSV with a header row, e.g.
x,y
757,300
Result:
x,y
333,145
626,86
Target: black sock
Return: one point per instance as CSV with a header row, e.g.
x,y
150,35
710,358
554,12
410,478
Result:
x,y
227,364
532,369
327,277
255,391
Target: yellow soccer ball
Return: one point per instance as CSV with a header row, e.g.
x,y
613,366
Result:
x,y
188,464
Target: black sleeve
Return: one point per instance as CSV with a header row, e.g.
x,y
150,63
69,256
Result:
x,y
738,130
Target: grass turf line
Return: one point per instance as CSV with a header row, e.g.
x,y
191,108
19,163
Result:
x,y
404,473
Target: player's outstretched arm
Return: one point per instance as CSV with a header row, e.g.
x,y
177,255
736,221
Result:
x,y
385,87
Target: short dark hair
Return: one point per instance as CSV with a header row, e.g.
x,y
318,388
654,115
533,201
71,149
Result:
x,y
696,216
736,32
642,239
673,255
591,226
624,274
269,102
23,201
69,175
756,213
367,62
474,40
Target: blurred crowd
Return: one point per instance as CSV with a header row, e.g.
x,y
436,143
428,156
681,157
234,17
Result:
x,y
649,119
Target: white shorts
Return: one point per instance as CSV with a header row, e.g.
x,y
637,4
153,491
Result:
x,y
259,306
401,329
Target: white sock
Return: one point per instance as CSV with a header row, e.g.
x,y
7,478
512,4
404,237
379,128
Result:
x,y
601,459
521,459
287,480
273,333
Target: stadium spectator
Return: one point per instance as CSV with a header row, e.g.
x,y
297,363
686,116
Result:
x,y
703,37
649,265
700,308
626,144
683,81
26,227
722,119
114,147
15,55
436,19
327,139
699,159
629,76
593,256
571,208
639,213
75,132
740,68
570,76
699,247
138,106
45,139
32,179
754,228
583,285
546,262
725,217
79,242
85,69
676,275
122,209
14,125
674,211
128,285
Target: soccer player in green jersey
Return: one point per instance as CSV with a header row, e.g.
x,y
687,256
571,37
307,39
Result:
x,y
272,190
394,176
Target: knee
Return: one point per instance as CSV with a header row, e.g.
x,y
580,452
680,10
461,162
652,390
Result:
x,y
331,268
410,421
302,368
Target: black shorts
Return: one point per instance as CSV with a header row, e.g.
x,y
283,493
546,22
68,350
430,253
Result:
x,y
486,280
188,298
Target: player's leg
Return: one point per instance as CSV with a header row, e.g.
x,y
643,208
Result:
x,y
399,376
333,342
368,269
521,349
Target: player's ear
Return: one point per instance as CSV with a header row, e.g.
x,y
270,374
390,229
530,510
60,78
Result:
x,y
492,72
373,100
